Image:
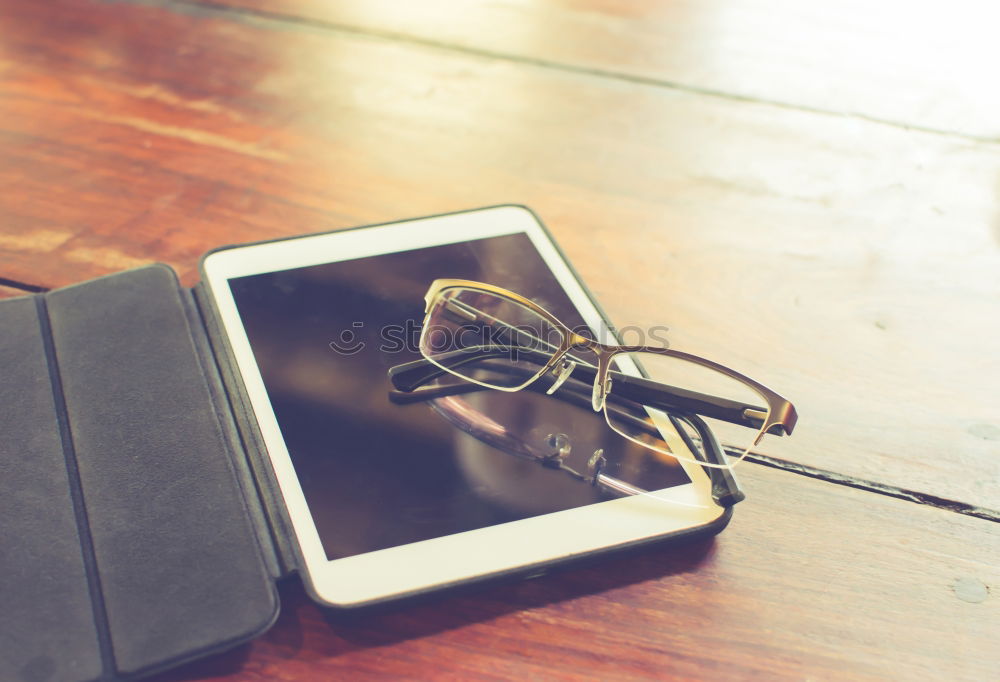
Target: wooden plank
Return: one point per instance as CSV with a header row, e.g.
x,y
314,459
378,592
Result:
x,y
810,581
909,63
850,265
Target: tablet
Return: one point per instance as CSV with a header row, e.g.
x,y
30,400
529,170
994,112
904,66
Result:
x,y
389,499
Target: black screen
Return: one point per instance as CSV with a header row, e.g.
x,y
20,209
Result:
x,y
377,474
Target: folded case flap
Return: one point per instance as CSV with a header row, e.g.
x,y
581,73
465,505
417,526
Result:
x,y
243,425
128,543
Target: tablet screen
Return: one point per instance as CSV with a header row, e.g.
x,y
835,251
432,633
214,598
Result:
x,y
377,474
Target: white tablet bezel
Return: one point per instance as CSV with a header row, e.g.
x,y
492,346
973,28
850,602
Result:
x,y
420,566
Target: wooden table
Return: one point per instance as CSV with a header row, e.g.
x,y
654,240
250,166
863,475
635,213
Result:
x,y
805,190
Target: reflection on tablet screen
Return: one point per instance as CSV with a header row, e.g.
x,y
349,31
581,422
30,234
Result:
x,y
376,474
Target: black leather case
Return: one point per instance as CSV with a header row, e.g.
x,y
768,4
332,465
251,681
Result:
x,y
140,523
132,534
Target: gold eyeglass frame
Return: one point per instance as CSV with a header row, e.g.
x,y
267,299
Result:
x,y
780,417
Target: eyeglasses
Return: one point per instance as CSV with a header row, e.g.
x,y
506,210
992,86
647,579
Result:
x,y
497,339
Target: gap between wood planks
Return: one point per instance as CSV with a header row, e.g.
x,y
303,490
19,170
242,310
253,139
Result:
x,y
772,462
14,284
872,486
266,16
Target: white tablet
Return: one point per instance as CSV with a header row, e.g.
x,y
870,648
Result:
x,y
390,499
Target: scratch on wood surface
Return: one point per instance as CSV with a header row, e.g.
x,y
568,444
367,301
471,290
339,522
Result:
x,y
193,135
35,241
105,257
158,93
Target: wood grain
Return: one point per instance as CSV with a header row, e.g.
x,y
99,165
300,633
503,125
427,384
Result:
x,y
810,581
915,64
850,265
854,266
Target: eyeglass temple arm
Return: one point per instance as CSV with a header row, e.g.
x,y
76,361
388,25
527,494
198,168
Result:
x,y
409,376
665,396
726,489
575,392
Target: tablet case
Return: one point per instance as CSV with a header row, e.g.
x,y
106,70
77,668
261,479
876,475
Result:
x,y
140,523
